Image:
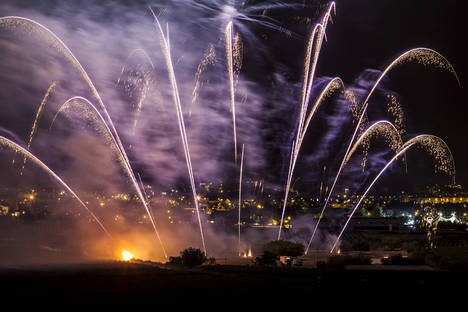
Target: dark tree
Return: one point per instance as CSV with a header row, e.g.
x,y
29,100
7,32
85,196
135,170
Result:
x,y
284,248
192,256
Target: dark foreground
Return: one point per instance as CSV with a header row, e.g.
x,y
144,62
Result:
x,y
129,282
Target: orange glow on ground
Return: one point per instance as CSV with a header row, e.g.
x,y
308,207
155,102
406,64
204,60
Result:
x,y
127,256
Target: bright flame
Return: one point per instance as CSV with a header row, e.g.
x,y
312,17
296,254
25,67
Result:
x,y
127,256
250,253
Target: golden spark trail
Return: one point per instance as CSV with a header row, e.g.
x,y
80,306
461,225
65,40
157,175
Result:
x,y
237,54
36,120
294,150
91,113
330,88
422,55
165,46
34,27
434,144
240,200
381,128
17,148
313,49
208,59
229,59
335,84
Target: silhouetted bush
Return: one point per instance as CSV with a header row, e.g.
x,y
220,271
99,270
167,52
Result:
x,y
192,256
175,260
284,248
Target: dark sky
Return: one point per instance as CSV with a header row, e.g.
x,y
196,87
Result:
x,y
366,34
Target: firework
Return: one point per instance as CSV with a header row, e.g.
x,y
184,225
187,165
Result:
x,y
165,46
434,145
18,149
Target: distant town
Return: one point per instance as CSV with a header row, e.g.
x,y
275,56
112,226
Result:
x,y
443,207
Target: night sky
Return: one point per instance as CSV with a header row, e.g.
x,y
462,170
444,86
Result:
x,y
365,35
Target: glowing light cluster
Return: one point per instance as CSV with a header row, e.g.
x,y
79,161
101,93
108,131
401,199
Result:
x,y
126,255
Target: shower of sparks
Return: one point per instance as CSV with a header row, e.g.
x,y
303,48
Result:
x,y
423,56
237,54
436,148
209,59
396,110
137,84
381,128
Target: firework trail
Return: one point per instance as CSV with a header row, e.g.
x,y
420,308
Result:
x,y
421,55
313,49
34,27
230,65
240,200
36,120
18,149
436,147
381,128
150,212
45,33
165,45
90,112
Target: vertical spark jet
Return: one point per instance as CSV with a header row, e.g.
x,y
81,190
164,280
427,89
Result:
x,y
165,45
230,62
310,64
240,200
